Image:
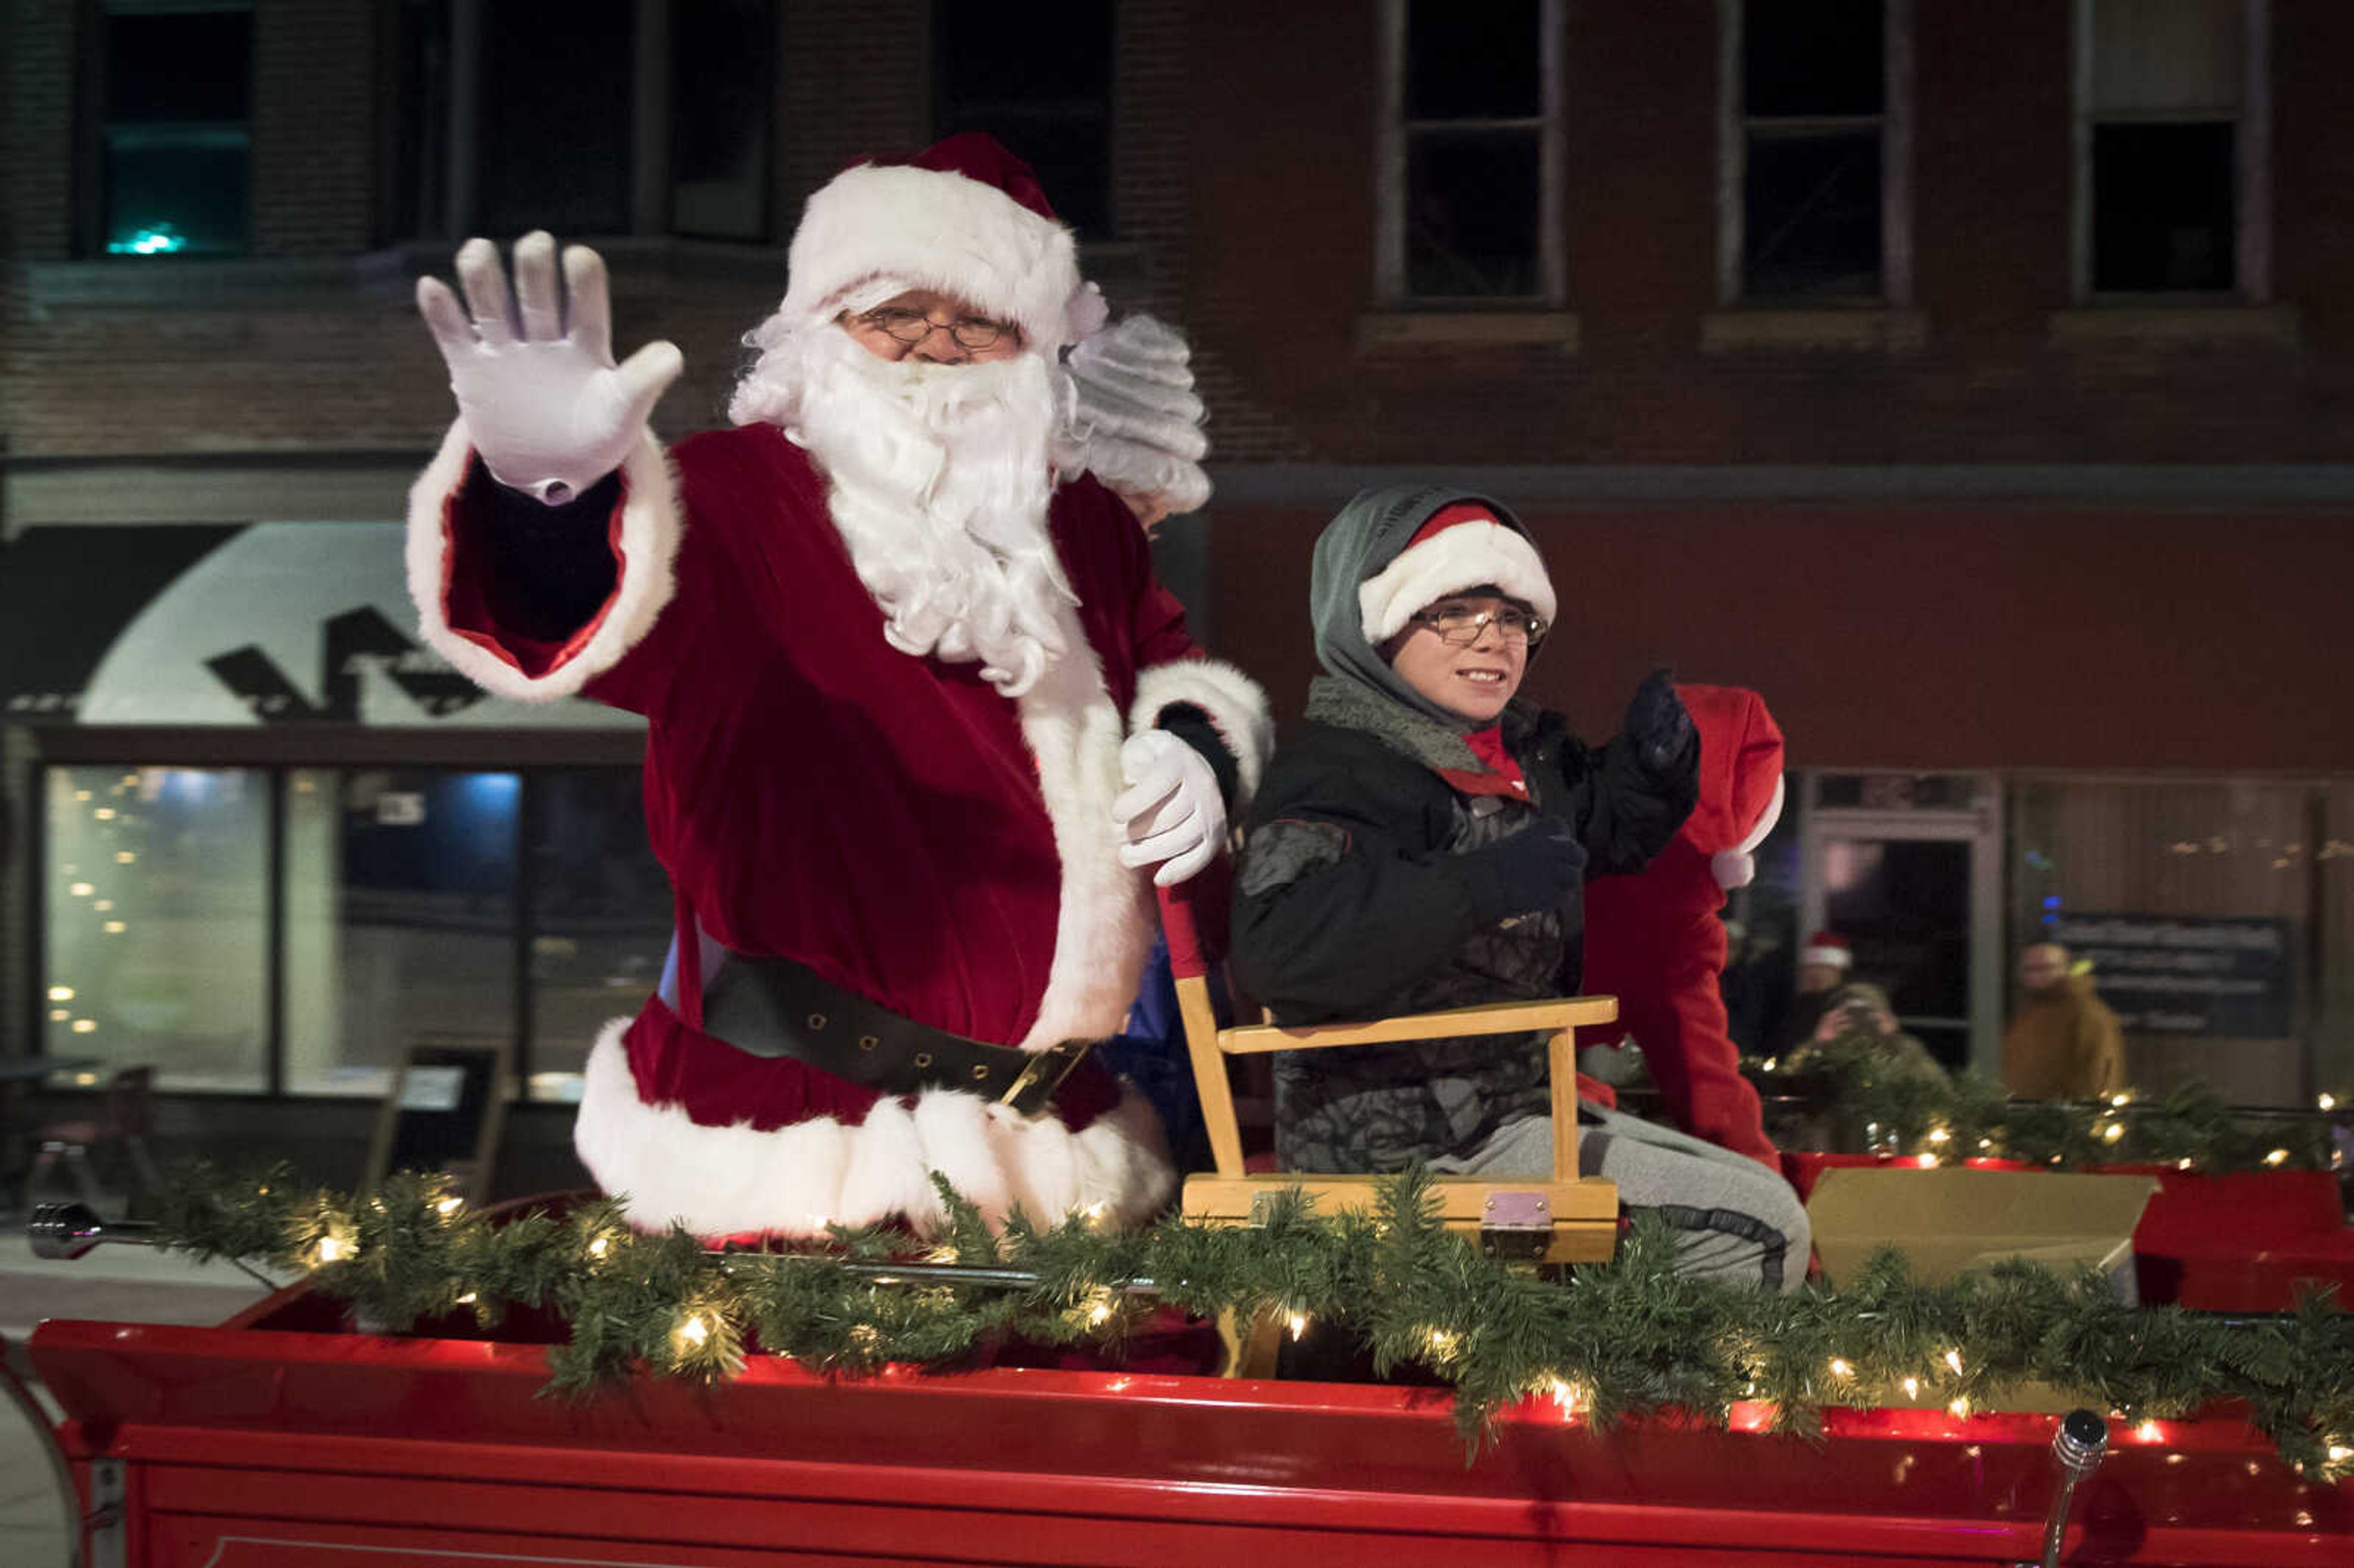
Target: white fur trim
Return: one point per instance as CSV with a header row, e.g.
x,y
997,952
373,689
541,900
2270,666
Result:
x,y
793,1180
650,534
1737,867
1233,700
1829,958
1454,558
939,230
1105,923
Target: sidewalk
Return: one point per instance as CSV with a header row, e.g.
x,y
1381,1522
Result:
x,y
131,1284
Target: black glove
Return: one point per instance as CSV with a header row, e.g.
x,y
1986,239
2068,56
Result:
x,y
1657,723
1538,868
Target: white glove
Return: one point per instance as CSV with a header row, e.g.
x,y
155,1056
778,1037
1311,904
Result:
x,y
1135,421
545,407
1171,811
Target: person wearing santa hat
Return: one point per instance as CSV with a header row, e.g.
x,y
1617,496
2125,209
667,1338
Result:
x,y
1824,963
1421,843
1654,940
923,728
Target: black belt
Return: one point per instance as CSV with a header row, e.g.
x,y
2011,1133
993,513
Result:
x,y
775,1007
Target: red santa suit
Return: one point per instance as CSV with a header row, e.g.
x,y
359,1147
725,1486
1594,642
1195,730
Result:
x,y
894,822
1654,940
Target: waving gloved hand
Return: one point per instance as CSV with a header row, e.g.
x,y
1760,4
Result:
x,y
544,403
1171,811
1657,722
1135,421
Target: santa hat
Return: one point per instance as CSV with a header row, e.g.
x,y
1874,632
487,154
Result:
x,y
965,217
1828,948
1464,546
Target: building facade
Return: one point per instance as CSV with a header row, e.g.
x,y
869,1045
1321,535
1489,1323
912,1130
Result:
x,y
1969,380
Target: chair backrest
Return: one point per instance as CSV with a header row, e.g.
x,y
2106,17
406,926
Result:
x,y
129,1109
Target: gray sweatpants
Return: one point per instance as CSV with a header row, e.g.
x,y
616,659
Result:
x,y
1735,1220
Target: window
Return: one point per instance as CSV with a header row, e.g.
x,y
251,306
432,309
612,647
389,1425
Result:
x,y
155,922
1816,144
1038,78
583,117
2170,143
376,904
400,888
1471,160
172,84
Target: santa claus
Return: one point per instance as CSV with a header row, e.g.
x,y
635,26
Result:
x,y
922,725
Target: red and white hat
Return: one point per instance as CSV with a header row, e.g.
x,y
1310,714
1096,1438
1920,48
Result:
x,y
1829,949
1463,546
965,216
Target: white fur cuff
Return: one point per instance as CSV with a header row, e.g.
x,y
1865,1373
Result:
x,y
1451,560
648,543
794,1181
1236,704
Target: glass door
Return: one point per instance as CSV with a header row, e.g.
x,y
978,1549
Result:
x,y
1909,871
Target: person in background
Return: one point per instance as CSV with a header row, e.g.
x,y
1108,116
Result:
x,y
2063,1042
1858,1014
1823,965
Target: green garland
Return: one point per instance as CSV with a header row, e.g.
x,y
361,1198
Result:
x,y
1867,1101
1612,1339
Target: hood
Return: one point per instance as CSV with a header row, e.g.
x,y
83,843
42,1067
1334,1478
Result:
x,y
1370,532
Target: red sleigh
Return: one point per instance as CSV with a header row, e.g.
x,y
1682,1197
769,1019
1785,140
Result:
x,y
284,1437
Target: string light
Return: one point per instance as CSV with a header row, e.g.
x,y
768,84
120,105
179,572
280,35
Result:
x,y
598,1245
1441,1342
81,889
66,993
2328,1102
1912,1388
2277,1157
1100,1312
1297,1323
1954,1359
467,1299
332,1248
1564,1395
2340,1453
2150,1432
1959,1408
2112,1132
1939,1135
448,1206
1842,1368
692,1331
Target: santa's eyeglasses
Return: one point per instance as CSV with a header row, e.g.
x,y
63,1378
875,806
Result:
x,y
1460,625
912,327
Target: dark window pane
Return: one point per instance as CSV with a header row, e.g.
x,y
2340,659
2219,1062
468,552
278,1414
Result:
x,y
2162,208
178,68
1038,78
722,54
400,911
1811,217
419,150
600,917
1811,57
176,193
1474,62
1905,905
556,119
1471,215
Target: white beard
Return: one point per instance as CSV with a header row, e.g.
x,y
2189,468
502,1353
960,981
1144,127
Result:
x,y
939,479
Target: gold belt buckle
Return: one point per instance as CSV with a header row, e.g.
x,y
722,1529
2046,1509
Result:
x,y
1061,1060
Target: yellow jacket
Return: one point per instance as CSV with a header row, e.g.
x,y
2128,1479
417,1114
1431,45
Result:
x,y
2065,1044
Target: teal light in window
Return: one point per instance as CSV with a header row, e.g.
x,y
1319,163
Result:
x,y
152,239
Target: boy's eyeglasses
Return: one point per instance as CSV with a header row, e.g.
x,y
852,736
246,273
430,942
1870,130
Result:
x,y
912,327
1459,626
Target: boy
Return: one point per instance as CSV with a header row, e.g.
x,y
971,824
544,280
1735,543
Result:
x,y
1421,843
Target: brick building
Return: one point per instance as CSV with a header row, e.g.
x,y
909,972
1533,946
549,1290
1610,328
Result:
x,y
1968,380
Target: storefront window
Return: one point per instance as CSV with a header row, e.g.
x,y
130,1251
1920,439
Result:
x,y
155,926
400,886
600,919
2196,904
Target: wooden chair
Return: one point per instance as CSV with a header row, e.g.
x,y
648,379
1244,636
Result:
x,y
1560,1218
